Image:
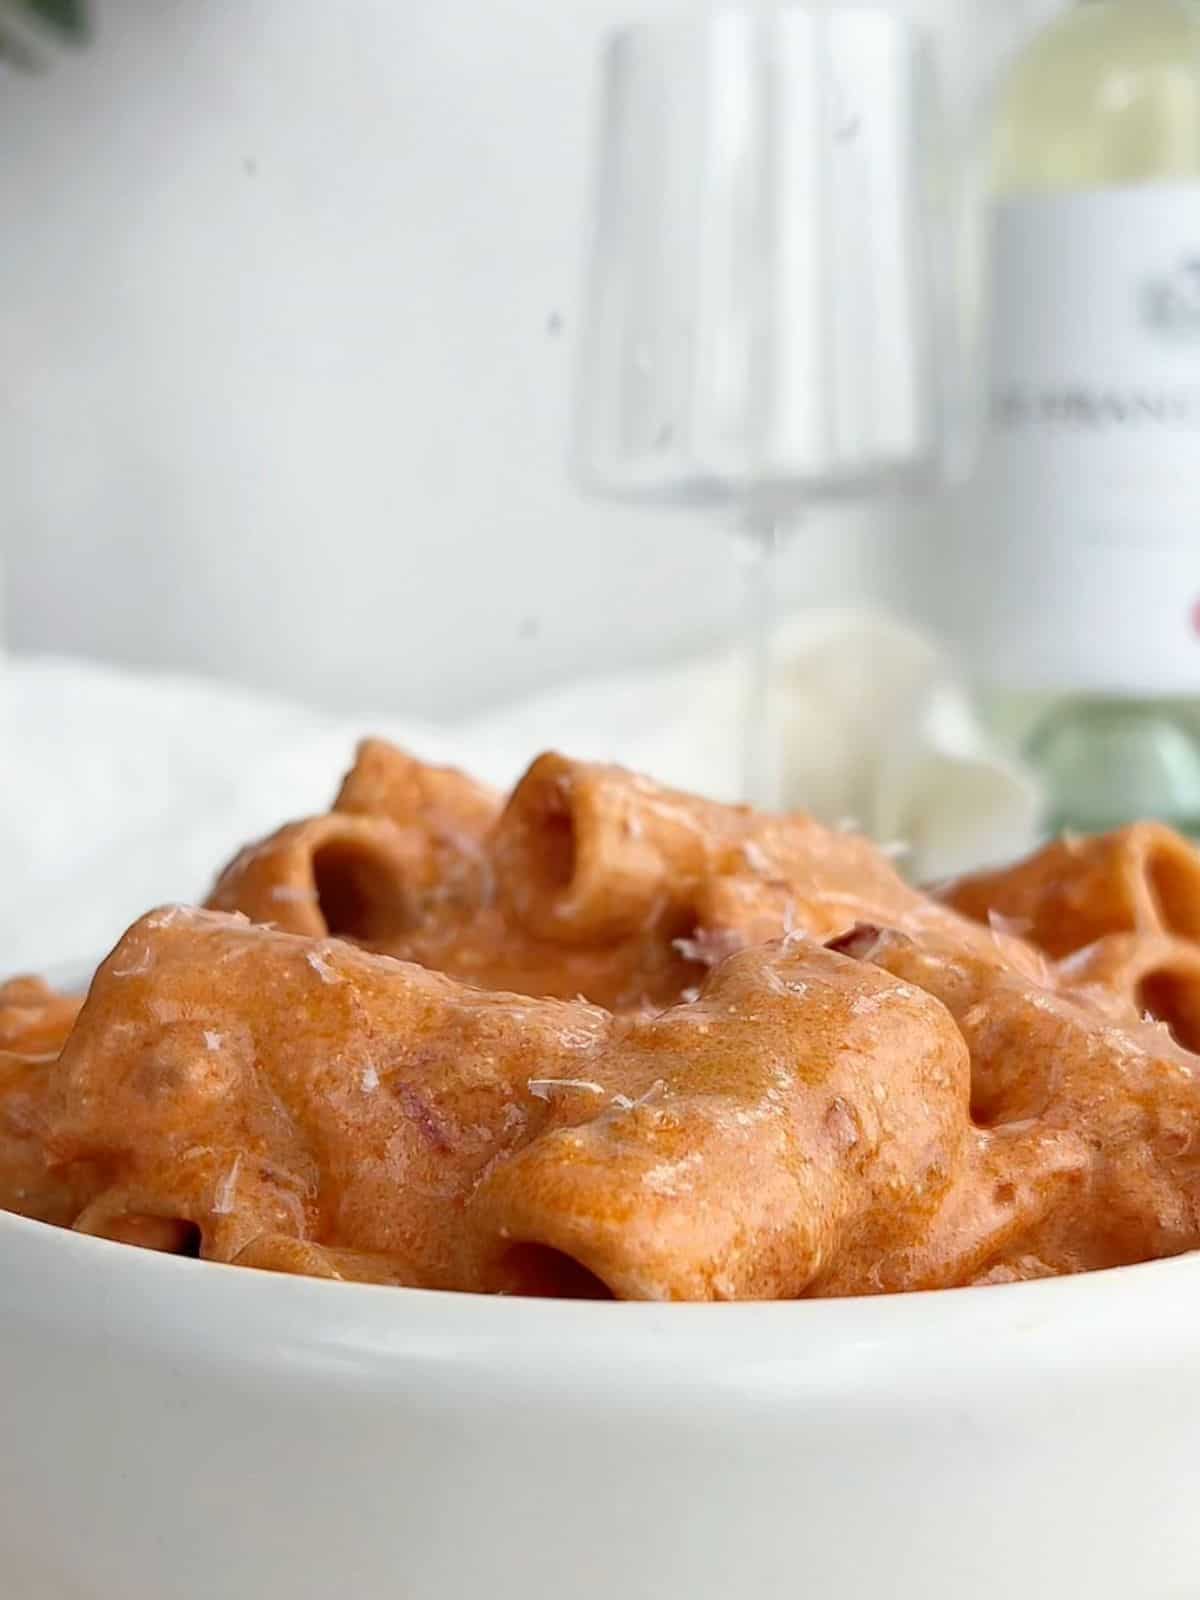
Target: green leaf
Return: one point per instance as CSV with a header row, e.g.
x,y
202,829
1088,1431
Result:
x,y
67,17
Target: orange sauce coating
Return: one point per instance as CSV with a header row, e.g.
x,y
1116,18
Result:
x,y
602,1038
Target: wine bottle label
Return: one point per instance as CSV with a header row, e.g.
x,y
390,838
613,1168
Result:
x,y
1081,552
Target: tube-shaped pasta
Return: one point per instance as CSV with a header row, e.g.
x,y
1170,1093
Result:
x,y
30,1184
447,816
304,1105
34,1022
608,886
589,853
1141,977
1130,1096
339,876
34,1018
752,1114
402,846
446,804
799,1130
1142,879
279,1253
255,1084
365,879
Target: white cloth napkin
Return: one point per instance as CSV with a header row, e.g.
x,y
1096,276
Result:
x,y
122,791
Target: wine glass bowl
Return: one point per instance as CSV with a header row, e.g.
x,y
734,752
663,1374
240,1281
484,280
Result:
x,y
760,319
763,323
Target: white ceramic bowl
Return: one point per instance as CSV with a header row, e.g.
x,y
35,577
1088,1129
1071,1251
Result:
x,y
174,1430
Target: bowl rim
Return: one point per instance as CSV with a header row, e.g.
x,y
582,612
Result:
x,y
72,1287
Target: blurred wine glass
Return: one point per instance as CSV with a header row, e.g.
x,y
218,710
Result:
x,y
765,318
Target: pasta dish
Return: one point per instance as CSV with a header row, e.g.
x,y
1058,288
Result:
x,y
600,1039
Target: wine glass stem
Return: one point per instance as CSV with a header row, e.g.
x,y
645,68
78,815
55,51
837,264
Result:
x,y
758,549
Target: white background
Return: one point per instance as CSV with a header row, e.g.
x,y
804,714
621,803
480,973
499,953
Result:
x,y
287,293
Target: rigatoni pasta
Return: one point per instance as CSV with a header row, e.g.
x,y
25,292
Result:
x,y
608,1039
590,881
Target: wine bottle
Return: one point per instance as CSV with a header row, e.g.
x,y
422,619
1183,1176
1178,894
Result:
x,y
1078,597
